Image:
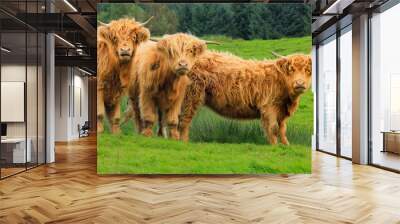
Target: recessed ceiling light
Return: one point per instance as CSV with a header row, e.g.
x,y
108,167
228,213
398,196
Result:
x,y
70,5
5,50
64,40
84,71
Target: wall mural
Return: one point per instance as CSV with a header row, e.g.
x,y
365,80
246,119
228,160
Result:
x,y
204,89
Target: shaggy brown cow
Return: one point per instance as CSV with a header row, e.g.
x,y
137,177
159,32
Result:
x,y
161,69
116,45
247,89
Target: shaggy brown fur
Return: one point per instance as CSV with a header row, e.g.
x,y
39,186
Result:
x,y
116,45
247,89
161,70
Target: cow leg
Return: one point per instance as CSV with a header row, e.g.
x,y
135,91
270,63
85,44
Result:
x,y
100,110
136,115
270,125
194,99
148,114
115,117
175,100
172,118
282,131
162,130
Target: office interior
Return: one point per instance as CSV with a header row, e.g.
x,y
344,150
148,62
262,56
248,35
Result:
x,y
48,77
357,79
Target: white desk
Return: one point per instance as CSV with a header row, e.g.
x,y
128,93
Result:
x,y
18,150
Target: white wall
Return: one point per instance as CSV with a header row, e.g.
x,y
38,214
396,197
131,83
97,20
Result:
x,y
12,73
71,94
33,127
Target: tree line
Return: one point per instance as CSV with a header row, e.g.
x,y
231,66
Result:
x,y
236,20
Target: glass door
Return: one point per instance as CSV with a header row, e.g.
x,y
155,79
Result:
x,y
14,153
327,95
385,89
346,95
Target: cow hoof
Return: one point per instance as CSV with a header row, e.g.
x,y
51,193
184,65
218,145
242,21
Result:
x,y
100,128
174,135
115,129
147,132
284,141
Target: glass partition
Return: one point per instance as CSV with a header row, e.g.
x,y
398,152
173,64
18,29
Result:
x,y
327,95
14,153
22,101
346,92
385,89
32,97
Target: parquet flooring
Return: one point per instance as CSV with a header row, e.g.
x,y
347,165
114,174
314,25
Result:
x,y
70,191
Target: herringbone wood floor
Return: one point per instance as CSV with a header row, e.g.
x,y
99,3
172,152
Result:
x,y
70,191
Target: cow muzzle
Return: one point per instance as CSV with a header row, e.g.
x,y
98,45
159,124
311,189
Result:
x,y
182,68
125,54
299,86
181,71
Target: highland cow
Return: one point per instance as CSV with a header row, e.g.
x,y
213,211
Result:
x,y
247,89
116,45
161,69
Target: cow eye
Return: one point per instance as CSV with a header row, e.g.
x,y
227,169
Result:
x,y
192,52
291,70
114,39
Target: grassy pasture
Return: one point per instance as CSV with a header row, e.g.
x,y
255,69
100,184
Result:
x,y
218,145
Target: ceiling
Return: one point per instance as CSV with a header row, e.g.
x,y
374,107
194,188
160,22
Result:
x,y
72,20
327,13
75,22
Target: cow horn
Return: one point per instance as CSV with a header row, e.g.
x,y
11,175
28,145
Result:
x,y
101,23
276,54
144,23
212,42
155,39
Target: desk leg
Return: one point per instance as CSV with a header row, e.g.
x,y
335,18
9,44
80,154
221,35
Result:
x,y
384,142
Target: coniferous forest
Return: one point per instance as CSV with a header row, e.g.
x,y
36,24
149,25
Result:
x,y
245,21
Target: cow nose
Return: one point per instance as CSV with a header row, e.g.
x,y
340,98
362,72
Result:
x,y
125,49
182,64
299,82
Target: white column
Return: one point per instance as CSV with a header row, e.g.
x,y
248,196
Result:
x,y
360,90
314,90
50,93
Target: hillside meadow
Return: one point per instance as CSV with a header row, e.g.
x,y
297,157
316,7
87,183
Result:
x,y
218,145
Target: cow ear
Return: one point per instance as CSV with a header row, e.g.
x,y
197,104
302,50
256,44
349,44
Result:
x,y
103,32
164,46
308,64
283,65
201,47
142,35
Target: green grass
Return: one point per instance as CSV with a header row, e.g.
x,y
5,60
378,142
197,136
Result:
x,y
261,49
126,154
208,126
218,145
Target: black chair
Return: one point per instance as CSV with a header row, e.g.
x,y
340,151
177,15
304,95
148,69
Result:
x,y
84,130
